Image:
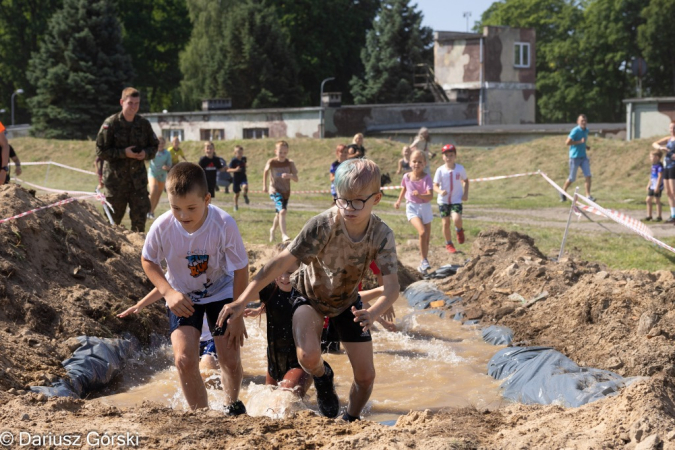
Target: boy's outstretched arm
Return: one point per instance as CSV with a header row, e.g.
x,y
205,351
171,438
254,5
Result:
x,y
236,329
366,317
149,299
178,303
274,267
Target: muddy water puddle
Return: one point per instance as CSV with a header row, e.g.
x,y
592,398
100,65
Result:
x,y
430,363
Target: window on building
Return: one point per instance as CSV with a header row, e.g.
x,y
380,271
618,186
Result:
x,y
522,54
211,134
170,134
256,133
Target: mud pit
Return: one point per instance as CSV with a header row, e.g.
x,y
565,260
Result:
x,y
620,321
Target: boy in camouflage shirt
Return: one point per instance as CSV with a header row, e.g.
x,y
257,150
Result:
x,y
335,249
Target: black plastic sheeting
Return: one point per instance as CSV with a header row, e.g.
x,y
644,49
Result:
x,y
543,375
420,293
443,272
498,335
92,366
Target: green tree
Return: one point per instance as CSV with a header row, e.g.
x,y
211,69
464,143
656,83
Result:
x,y
656,37
327,40
394,47
249,59
79,71
22,25
155,32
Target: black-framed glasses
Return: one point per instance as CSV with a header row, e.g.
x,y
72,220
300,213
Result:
x,y
356,204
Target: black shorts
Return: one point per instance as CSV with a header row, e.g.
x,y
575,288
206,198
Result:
x,y
669,173
651,193
238,182
347,329
196,320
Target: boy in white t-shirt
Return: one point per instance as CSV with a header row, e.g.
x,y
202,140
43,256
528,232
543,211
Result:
x,y
207,266
452,185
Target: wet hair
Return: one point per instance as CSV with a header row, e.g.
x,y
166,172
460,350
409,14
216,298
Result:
x,y
186,177
278,144
130,92
424,157
356,176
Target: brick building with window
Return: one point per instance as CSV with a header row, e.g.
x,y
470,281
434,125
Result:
x,y
494,70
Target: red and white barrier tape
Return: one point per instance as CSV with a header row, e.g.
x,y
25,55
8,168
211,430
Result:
x,y
53,205
42,163
618,217
503,177
56,191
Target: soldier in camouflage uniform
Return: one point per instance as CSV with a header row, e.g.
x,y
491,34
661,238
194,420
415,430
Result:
x,y
125,141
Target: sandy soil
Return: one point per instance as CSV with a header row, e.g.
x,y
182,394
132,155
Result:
x,y
64,273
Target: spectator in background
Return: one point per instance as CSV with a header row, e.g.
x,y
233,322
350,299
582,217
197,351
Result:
x,y
17,162
159,167
669,170
4,153
124,142
341,155
356,148
578,142
175,151
224,178
421,143
404,163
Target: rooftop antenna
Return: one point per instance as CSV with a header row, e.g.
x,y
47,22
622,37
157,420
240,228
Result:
x,y
467,14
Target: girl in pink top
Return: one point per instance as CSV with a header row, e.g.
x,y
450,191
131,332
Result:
x,y
417,187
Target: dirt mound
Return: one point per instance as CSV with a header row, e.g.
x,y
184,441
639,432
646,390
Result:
x,y
614,320
64,272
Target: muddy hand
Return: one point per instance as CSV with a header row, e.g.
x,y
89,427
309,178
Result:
x,y
363,318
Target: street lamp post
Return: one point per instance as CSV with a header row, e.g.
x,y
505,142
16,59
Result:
x,y
321,105
18,91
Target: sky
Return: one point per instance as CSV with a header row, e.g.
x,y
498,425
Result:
x,y
448,15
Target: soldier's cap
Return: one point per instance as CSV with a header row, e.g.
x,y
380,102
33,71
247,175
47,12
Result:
x,y
449,148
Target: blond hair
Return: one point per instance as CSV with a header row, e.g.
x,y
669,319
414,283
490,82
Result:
x,y
356,176
130,92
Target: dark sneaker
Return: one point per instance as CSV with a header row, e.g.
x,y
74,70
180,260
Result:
x,y
460,236
647,219
451,248
658,219
235,409
591,198
326,397
563,198
246,200
670,220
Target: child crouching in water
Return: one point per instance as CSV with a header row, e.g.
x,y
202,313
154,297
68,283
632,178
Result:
x,y
418,189
335,249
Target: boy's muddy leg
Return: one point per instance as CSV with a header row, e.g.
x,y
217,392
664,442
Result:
x,y
307,326
185,342
361,358
231,371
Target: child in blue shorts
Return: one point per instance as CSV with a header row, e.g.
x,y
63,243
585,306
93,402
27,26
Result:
x,y
281,171
206,267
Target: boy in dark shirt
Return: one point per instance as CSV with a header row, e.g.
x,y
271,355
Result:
x,y
211,165
238,171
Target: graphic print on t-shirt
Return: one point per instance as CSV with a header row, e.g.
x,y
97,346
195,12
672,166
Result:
x,y
197,264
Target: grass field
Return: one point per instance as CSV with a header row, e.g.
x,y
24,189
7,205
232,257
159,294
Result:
x,y
620,174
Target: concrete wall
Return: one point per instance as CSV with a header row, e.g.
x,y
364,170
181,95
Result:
x,y
649,117
280,122
457,60
505,104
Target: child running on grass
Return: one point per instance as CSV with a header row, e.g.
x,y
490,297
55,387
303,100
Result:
x,y
211,165
418,190
452,185
281,171
335,249
655,185
238,171
404,163
341,155
207,266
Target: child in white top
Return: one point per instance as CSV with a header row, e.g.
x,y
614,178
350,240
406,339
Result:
x,y
417,188
207,265
452,185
